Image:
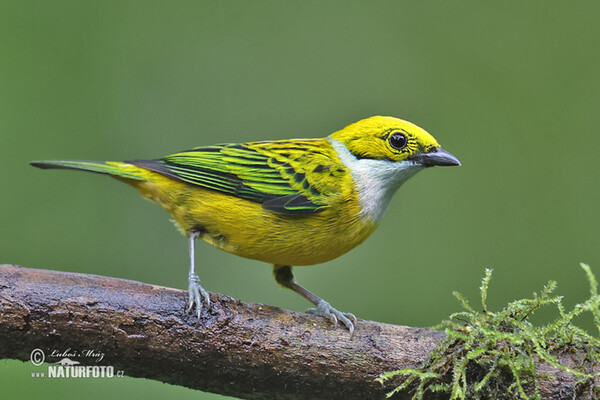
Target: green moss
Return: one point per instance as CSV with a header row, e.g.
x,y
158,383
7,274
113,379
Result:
x,y
491,354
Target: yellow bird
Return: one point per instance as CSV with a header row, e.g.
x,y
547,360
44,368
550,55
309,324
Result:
x,y
286,202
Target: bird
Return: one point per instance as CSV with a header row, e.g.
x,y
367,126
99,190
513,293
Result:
x,y
291,202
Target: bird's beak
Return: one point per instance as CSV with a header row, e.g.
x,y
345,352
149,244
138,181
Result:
x,y
438,157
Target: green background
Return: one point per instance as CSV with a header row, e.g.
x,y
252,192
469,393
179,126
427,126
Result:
x,y
511,88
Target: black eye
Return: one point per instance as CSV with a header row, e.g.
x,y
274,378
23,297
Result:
x,y
398,140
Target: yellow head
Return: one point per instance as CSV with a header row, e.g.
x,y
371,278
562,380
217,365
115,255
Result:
x,y
386,138
382,153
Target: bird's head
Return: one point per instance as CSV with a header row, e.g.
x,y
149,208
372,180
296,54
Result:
x,y
393,139
382,153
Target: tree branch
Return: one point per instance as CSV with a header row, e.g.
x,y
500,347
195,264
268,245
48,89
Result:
x,y
251,351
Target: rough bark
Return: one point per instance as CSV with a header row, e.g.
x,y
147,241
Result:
x,y
250,351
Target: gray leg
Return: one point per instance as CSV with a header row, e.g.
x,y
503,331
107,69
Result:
x,y
195,291
285,277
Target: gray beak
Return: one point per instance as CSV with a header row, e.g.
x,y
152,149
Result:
x,y
438,157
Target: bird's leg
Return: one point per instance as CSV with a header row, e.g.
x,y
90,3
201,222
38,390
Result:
x,y
285,277
195,291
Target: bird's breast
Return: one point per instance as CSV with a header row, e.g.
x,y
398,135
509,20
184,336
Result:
x,y
283,239
244,228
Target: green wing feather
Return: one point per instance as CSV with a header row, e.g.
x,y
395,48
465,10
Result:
x,y
276,174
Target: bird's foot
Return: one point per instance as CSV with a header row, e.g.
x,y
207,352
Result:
x,y
324,309
196,293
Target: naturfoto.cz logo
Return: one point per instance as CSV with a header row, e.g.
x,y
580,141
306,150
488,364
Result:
x,y
68,368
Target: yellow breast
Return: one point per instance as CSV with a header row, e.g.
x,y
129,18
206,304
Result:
x,y
246,229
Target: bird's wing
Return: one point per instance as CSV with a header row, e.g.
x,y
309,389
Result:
x,y
299,176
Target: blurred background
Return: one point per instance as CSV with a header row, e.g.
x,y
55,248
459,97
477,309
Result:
x,y
511,88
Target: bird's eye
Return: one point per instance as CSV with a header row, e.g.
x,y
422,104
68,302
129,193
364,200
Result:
x,y
398,140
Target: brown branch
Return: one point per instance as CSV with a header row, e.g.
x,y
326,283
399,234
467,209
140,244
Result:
x,y
251,351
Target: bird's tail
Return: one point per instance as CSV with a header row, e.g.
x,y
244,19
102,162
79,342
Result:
x,y
116,169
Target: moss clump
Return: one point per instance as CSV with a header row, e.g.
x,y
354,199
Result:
x,y
490,355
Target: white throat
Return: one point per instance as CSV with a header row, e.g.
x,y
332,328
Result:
x,y
376,180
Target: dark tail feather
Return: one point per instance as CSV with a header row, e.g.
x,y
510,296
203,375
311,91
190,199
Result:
x,y
121,170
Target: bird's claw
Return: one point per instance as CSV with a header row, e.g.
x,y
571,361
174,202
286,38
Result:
x,y
324,309
196,294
